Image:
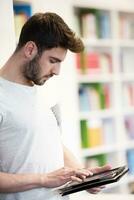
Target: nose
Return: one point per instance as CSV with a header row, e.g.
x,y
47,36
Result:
x,y
56,69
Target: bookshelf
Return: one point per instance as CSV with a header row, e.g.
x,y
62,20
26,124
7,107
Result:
x,y
105,87
117,46
22,11
7,38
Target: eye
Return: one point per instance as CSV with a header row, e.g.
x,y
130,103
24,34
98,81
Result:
x,y
53,61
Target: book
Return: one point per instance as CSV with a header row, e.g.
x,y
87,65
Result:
x,y
96,160
84,103
108,131
126,58
129,126
130,160
93,64
105,62
128,94
22,11
84,134
126,24
104,24
94,133
19,20
89,25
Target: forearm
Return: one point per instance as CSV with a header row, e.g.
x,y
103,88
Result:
x,y
10,183
70,160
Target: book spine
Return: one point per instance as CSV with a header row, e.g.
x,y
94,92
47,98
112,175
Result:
x,y
84,134
94,133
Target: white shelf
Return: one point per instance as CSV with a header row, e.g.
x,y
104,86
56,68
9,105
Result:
x,y
127,76
22,1
128,111
130,145
95,78
95,42
99,114
98,42
108,5
108,148
99,150
126,43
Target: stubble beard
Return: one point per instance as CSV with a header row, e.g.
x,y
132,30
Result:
x,y
31,71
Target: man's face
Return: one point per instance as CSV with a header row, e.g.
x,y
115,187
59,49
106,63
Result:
x,y
41,68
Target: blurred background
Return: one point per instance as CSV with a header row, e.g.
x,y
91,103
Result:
x,y
95,89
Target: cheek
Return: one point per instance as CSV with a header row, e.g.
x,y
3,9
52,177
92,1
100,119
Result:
x,y
46,67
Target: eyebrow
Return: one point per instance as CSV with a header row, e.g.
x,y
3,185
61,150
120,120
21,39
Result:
x,y
56,59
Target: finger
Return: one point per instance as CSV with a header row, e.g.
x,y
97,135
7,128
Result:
x,y
94,190
83,177
101,169
77,179
102,187
85,172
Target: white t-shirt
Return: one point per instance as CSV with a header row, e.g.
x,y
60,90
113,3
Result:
x,y
30,140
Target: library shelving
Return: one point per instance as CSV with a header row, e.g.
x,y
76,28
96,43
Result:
x,y
105,88
105,77
22,11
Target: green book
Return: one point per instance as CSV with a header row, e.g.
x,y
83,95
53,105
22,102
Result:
x,y
102,159
100,90
84,134
97,160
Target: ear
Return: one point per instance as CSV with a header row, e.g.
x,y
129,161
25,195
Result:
x,y
30,50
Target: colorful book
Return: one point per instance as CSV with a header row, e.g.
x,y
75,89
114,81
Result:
x,y
84,134
95,161
130,160
94,133
93,64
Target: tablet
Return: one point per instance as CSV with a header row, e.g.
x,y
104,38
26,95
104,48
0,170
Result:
x,y
98,179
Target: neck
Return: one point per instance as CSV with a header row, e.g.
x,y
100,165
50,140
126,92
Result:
x,y
12,70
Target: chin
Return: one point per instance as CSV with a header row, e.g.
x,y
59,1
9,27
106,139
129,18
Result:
x,y
42,82
39,81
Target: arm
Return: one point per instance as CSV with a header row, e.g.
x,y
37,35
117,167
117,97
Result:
x,y
18,182
10,183
70,160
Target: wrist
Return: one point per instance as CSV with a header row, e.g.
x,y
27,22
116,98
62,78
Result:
x,y
42,179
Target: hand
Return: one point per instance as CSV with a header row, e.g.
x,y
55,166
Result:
x,y
63,176
81,174
97,170
57,178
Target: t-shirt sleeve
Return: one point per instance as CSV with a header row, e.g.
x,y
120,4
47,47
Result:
x,y
2,115
1,118
56,111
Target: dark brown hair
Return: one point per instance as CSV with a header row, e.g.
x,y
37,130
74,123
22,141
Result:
x,y
48,30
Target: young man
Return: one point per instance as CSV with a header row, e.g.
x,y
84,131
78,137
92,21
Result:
x,y
33,160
